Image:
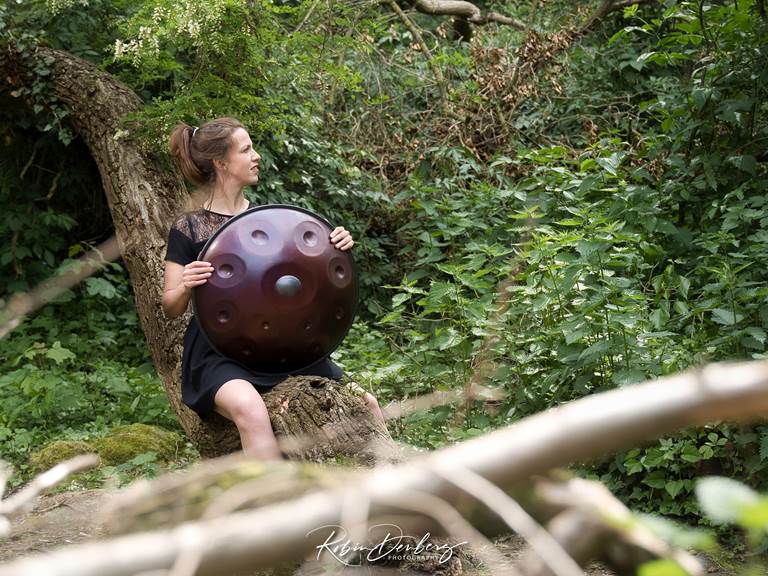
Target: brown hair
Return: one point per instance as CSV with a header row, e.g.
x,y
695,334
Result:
x,y
195,149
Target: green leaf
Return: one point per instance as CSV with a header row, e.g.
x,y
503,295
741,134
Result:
x,y
596,349
700,97
690,454
144,458
448,339
59,354
746,163
726,317
661,568
756,333
100,287
764,446
723,499
659,318
572,336
398,299
655,479
611,163
674,487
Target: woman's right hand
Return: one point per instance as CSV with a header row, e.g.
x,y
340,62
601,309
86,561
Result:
x,y
196,273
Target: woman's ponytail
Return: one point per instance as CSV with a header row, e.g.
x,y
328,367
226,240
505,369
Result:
x,y
195,149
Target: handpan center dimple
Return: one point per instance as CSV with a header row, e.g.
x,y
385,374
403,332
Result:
x,y
287,285
310,238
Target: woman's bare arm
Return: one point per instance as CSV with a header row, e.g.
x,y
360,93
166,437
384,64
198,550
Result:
x,y
178,284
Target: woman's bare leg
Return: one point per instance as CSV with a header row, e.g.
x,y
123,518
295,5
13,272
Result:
x,y
239,401
373,406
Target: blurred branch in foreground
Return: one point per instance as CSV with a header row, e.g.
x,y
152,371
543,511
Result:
x,y
25,499
584,525
23,304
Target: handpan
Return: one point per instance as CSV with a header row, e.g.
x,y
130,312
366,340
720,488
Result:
x,y
281,297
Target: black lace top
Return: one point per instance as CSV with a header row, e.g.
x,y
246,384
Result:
x,y
189,234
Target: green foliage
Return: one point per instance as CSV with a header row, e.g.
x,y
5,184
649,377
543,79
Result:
x,y
77,368
580,215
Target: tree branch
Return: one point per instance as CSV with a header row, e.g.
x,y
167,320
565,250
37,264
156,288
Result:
x,y
466,10
424,48
25,499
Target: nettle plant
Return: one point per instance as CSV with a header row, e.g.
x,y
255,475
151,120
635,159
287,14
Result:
x,y
73,370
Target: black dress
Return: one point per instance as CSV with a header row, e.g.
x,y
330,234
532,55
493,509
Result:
x,y
203,370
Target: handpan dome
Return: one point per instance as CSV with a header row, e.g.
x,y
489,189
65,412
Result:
x,y
281,297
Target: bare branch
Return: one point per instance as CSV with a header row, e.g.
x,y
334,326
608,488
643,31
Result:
x,y
515,516
23,304
466,10
424,48
25,499
593,516
455,525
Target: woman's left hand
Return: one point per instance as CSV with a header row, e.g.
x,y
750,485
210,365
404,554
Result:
x,y
341,238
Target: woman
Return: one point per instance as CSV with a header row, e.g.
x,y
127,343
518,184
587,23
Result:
x,y
218,157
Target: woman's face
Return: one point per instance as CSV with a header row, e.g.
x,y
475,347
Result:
x,y
241,165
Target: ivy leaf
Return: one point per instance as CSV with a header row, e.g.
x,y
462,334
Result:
x,y
674,487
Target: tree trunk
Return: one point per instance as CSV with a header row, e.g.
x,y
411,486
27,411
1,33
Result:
x,y
143,197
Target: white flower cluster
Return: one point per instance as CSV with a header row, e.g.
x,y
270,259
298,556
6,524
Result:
x,y
196,21
58,6
200,20
147,43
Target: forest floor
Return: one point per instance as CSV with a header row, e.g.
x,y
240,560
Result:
x,y
68,518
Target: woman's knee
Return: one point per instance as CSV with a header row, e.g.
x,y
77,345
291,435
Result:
x,y
371,401
239,401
